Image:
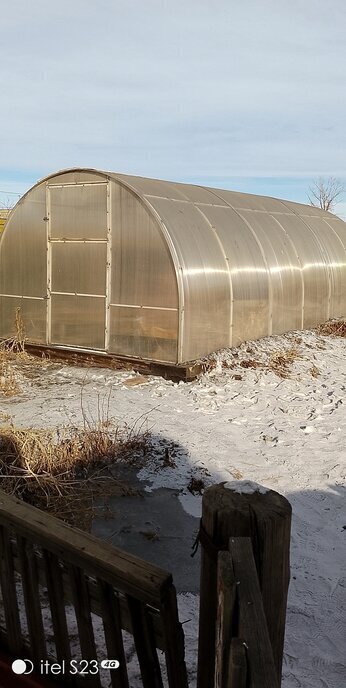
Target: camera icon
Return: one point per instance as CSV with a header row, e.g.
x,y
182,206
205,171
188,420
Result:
x,y
22,666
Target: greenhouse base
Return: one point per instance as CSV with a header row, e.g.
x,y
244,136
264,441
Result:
x,y
169,371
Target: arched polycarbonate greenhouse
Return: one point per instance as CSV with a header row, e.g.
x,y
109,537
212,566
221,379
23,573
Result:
x,y
162,271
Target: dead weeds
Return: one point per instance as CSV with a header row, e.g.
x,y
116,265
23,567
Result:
x,y
64,471
278,362
196,486
15,360
333,328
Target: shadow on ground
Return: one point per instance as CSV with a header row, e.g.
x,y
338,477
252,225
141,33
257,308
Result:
x,y
154,526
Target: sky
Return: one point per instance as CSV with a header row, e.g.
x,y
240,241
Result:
x,y
241,94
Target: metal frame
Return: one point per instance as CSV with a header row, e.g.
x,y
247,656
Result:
x,y
49,268
55,240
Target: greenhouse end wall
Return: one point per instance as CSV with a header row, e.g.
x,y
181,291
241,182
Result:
x,y
164,271
88,266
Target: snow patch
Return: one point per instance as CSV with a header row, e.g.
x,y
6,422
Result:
x,y
245,487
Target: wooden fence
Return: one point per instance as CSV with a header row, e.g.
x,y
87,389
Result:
x,y
244,656
49,570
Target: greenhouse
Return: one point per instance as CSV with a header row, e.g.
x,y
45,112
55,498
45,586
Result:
x,y
161,271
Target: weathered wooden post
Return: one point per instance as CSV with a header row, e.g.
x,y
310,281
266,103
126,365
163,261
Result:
x,y
243,509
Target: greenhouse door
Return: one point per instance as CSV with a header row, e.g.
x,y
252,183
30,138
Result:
x,y
77,264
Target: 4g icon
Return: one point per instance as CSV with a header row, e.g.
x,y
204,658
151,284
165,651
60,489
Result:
x,y
110,664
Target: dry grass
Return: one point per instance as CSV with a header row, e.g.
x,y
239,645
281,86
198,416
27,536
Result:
x,y
278,362
335,328
15,362
12,350
196,486
9,386
63,471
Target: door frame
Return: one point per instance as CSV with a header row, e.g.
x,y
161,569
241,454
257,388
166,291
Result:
x,y
50,242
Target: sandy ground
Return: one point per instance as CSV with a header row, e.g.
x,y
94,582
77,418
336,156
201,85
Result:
x,y
240,422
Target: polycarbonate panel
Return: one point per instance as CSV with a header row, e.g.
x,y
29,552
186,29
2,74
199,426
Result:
x,y
33,314
144,332
241,201
284,271
142,268
77,177
305,210
207,297
315,271
79,267
249,275
78,321
200,195
338,226
78,212
155,187
23,254
334,257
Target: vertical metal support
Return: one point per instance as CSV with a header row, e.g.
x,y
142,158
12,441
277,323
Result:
x,y
108,266
226,259
181,313
301,268
49,267
270,284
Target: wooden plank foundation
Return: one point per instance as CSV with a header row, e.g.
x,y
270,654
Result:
x,y
169,371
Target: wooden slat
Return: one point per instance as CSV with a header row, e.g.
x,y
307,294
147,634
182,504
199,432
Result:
x,y
81,602
111,616
30,583
237,669
145,644
95,604
252,621
55,586
174,641
144,613
265,517
226,595
129,574
9,594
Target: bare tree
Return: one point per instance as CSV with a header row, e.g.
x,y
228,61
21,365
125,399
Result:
x,y
324,192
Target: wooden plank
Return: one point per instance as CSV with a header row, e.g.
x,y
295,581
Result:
x,y
127,573
81,602
30,583
169,371
225,622
145,644
174,641
9,595
55,586
237,669
111,616
252,621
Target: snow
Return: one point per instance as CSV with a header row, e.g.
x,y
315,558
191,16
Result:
x,y
241,423
245,487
